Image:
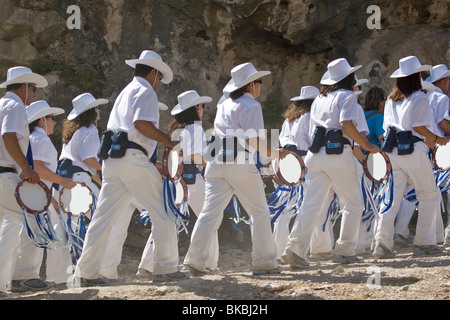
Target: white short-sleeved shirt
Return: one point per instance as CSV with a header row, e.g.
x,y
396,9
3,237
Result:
x,y
241,118
137,101
330,110
285,134
296,132
192,141
439,102
408,113
83,145
44,150
13,118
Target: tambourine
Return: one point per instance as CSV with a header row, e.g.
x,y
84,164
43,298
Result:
x,y
173,163
377,166
441,157
290,170
33,197
77,201
181,192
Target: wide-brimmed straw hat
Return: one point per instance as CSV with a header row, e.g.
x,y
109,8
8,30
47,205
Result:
x,y
84,102
40,109
438,72
408,66
18,75
154,60
242,75
338,70
307,93
189,99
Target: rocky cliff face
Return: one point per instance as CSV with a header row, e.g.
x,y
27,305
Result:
x,y
202,40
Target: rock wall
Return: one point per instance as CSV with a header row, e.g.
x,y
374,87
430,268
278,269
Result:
x,y
202,40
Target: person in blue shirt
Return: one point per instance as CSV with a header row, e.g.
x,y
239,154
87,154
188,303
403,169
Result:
x,y
373,110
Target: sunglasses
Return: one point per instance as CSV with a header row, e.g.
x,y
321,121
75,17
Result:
x,y
32,88
51,117
258,81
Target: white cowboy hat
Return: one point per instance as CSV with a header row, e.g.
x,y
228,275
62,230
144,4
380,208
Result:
x,y
408,66
23,75
40,109
241,75
189,99
337,70
84,102
428,86
307,93
360,81
154,60
162,106
438,72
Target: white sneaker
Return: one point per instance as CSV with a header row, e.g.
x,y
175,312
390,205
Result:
x,y
174,276
337,258
427,250
295,262
382,252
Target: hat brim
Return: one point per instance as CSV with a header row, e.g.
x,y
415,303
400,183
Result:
x,y
397,73
35,78
442,76
179,108
162,106
46,112
327,81
231,86
300,98
156,64
73,114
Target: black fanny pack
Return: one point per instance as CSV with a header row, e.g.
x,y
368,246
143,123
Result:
x,y
333,141
293,148
403,140
67,169
190,171
114,145
225,148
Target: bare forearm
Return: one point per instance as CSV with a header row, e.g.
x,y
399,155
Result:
x,y
149,130
13,148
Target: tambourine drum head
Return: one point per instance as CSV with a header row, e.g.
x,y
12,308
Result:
x,y
173,162
179,193
290,169
376,164
33,196
442,157
77,200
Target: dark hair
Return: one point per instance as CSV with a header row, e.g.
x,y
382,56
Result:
x,y
13,87
86,119
347,83
142,70
239,92
373,98
182,119
297,109
33,125
406,86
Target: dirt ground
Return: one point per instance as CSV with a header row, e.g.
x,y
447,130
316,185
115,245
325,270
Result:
x,y
403,278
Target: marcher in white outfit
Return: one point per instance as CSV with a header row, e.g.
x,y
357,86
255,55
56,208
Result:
x,y
128,174
407,110
294,136
330,162
20,87
41,119
238,121
186,127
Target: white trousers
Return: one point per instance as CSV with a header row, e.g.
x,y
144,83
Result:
x,y
196,200
414,169
222,181
324,172
125,179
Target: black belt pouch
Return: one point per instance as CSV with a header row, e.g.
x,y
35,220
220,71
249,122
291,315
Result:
x,y
119,141
317,142
390,140
105,145
405,144
334,142
190,171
